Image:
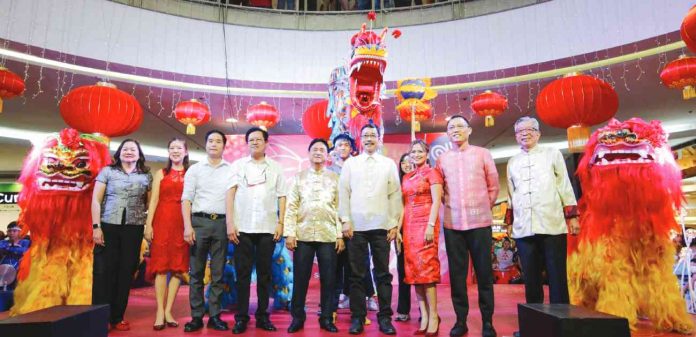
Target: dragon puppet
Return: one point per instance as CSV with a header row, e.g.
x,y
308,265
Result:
x,y
366,76
57,180
622,264
339,109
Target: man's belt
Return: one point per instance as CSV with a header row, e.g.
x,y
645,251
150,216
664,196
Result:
x,y
211,216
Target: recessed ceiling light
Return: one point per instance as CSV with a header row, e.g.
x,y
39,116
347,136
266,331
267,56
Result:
x,y
231,120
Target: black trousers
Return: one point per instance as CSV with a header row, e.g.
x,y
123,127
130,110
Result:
x,y
114,266
303,259
376,241
404,301
541,250
211,238
477,243
343,275
253,247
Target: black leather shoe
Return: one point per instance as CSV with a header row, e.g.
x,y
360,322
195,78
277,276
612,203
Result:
x,y
216,323
195,324
295,326
386,326
356,326
239,327
459,329
487,330
265,324
327,324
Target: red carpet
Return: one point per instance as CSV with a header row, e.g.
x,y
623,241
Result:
x,y
141,313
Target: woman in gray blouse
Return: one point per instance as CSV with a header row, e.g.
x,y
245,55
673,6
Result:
x,y
119,205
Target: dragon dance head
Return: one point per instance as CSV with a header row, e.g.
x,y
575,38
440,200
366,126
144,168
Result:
x,y
367,64
66,163
628,169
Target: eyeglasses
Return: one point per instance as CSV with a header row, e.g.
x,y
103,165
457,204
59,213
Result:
x,y
528,130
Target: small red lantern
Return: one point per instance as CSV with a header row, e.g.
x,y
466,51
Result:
x,y
681,74
315,122
192,113
490,105
263,115
101,108
11,85
688,29
575,102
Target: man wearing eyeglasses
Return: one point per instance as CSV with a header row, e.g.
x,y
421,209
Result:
x,y
542,211
471,189
370,205
257,200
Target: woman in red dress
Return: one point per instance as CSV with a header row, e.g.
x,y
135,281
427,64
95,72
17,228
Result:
x,y
169,253
420,188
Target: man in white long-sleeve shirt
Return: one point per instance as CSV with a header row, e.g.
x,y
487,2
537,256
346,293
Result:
x,y
369,208
543,209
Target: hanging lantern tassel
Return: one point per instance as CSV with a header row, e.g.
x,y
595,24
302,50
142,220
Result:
x,y
190,129
490,121
689,93
578,135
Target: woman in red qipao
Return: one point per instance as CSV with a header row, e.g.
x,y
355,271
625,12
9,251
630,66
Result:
x,y
169,253
420,188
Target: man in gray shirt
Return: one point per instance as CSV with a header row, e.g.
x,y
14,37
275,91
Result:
x,y
203,208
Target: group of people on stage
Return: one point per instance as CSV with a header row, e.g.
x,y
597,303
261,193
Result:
x,y
341,214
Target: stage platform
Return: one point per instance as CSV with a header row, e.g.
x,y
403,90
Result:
x,y
141,313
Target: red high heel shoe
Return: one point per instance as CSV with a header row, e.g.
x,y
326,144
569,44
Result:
x,y
419,331
433,334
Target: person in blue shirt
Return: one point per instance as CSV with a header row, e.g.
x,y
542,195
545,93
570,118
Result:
x,y
13,247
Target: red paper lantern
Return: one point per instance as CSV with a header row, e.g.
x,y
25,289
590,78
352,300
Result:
x,y
11,85
688,29
576,102
101,108
315,122
192,113
263,115
489,105
681,74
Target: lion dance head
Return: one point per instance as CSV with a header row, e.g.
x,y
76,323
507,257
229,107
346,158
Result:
x,y
628,168
58,179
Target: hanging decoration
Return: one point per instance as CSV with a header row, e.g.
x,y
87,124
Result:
x,y
192,113
414,95
688,29
315,122
11,85
681,74
489,104
575,102
101,108
263,115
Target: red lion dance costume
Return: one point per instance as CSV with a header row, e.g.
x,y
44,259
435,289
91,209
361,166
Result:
x,y
55,200
367,64
623,261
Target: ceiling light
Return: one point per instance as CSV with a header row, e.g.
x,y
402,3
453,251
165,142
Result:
x,y
231,120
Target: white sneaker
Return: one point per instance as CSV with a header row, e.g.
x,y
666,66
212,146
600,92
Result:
x,y
372,304
345,303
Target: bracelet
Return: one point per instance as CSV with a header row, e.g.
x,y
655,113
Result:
x,y
431,224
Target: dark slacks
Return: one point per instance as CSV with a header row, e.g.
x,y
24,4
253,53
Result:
x,y
539,251
343,275
477,243
303,259
376,241
114,266
253,247
404,301
211,238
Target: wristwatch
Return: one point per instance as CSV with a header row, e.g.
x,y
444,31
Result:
x,y
96,225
